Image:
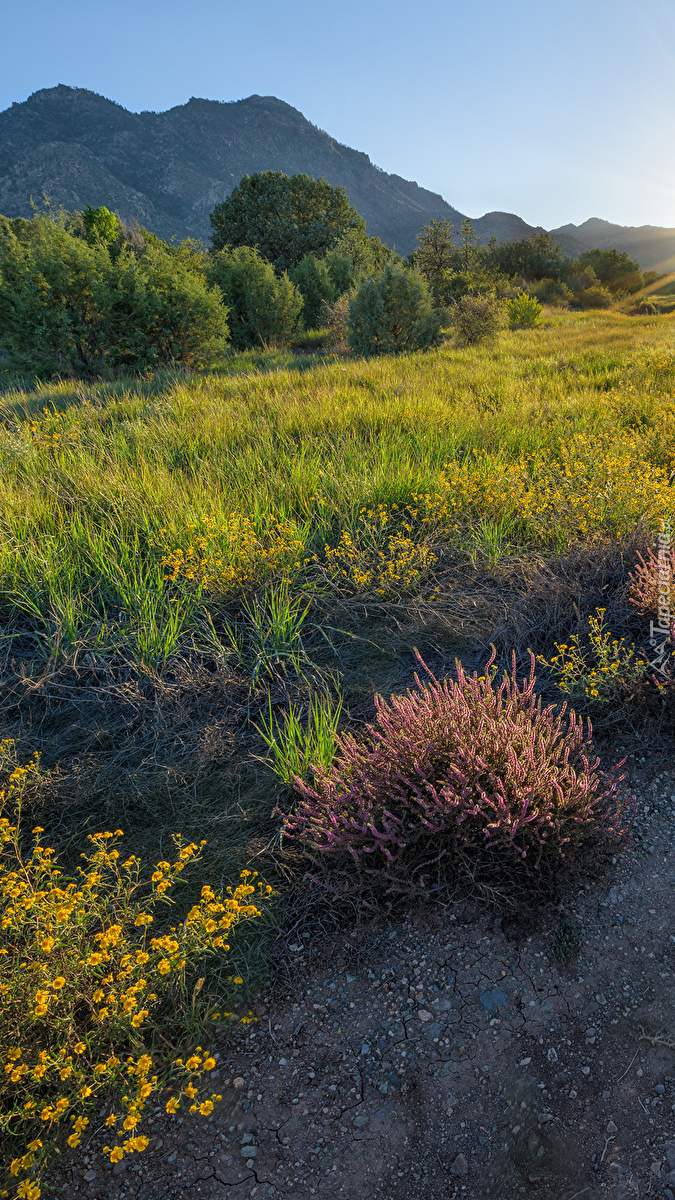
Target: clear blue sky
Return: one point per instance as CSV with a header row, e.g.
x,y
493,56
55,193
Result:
x,y
556,111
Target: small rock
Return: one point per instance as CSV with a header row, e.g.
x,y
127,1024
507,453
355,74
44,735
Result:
x,y
656,1168
585,1070
659,1089
158,1143
424,1015
552,1054
668,1194
611,1127
460,1166
248,1151
365,1050
360,1121
524,1062
590,1032
89,1175
670,1154
237,1083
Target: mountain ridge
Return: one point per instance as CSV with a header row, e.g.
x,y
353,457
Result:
x,y
167,170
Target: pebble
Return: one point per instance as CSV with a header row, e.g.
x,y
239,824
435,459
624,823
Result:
x,y
89,1175
659,1089
237,1083
460,1166
360,1121
611,1127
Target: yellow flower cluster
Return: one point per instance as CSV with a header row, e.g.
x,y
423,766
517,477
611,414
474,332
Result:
x,y
231,555
604,670
81,978
382,556
52,433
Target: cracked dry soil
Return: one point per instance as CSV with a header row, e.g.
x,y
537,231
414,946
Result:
x,y
445,1056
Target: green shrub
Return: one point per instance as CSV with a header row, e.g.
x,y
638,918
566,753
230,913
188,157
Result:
x,y
476,318
264,308
313,280
393,312
70,307
551,291
159,309
524,311
595,296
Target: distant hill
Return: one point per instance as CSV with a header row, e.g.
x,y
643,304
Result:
x,y
167,170
651,245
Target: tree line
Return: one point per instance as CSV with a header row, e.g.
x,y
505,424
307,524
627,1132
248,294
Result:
x,y
84,293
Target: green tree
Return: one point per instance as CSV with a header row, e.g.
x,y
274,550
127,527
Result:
x,y
614,269
101,226
438,258
393,312
264,308
315,284
284,217
533,257
355,257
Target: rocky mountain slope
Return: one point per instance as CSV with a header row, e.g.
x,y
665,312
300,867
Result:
x,y
167,170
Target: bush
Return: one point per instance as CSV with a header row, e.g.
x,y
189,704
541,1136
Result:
x,y
595,296
86,989
313,280
335,318
158,309
392,313
79,309
264,308
524,311
476,318
461,775
551,291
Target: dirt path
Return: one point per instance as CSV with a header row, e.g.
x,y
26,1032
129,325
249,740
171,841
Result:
x,y
445,1059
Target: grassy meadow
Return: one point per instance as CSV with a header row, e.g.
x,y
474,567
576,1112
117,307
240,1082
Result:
x,y
230,481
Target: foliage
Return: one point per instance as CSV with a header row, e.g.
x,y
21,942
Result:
x,y
392,313
614,269
70,307
315,284
551,291
524,311
335,318
85,987
101,226
295,747
476,318
264,308
284,217
356,257
605,670
438,258
534,257
594,296
159,309
456,772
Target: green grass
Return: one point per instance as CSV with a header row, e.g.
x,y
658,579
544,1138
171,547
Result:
x,y
87,486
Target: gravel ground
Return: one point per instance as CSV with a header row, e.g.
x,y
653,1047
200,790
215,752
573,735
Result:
x,y
444,1056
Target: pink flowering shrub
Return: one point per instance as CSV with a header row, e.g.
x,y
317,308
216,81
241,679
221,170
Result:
x,y
469,773
652,571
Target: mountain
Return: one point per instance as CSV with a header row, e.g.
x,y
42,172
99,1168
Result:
x,y
651,245
168,170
